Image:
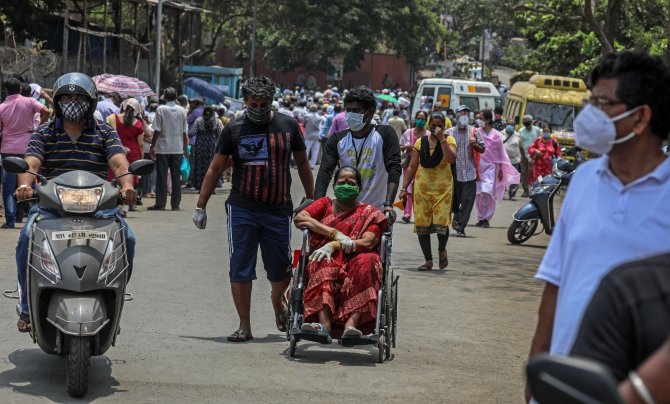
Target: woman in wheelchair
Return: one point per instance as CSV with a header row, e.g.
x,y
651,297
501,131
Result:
x,y
344,271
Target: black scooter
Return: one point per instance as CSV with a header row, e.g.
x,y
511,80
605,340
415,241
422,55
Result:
x,y
566,380
540,208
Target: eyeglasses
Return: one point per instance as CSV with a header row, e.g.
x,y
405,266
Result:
x,y
68,98
601,102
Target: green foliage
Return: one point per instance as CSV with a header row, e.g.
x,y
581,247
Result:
x,y
312,33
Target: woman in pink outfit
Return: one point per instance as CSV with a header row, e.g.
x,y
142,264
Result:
x,y
407,146
496,171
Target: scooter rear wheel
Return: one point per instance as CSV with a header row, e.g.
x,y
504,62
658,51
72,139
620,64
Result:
x,y
78,365
519,232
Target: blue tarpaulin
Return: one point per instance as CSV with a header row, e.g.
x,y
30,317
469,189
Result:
x,y
212,91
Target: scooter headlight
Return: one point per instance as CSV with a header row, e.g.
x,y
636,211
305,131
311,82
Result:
x,y
109,261
48,260
540,188
79,200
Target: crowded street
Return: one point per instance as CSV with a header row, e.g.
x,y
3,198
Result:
x,y
463,333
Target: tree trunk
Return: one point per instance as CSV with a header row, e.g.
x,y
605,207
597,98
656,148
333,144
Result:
x,y
590,18
612,17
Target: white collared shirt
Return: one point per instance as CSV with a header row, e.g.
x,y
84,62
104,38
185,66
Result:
x,y
602,224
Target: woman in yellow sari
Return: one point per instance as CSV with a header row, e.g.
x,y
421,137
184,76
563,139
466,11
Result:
x,y
430,167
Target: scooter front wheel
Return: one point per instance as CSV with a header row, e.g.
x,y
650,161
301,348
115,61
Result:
x,y
520,231
78,365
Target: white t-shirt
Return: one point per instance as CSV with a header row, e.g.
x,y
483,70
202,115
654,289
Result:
x,y
170,120
602,224
369,150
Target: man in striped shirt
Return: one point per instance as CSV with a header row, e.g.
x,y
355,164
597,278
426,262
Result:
x,y
259,208
73,141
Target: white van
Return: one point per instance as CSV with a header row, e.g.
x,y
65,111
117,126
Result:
x,y
477,95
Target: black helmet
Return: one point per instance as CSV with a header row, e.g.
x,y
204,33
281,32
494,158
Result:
x,y
75,83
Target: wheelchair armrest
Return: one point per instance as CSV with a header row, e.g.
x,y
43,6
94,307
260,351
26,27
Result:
x,y
305,203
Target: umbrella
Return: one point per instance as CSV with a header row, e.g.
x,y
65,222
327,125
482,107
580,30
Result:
x,y
386,97
205,89
124,85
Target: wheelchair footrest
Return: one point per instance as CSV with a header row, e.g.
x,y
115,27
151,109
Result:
x,y
311,336
362,340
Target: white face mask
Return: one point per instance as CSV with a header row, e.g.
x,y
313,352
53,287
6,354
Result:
x,y
463,120
355,121
595,130
481,123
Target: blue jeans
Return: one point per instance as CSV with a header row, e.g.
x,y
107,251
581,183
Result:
x,y
24,242
8,189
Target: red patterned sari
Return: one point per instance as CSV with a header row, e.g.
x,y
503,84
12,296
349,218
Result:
x,y
349,283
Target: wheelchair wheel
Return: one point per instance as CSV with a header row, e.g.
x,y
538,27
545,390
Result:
x,y
381,347
394,314
294,343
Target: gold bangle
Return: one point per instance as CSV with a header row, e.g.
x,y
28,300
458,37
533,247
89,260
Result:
x,y
332,234
336,245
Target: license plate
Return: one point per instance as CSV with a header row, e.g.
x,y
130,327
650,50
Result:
x,y
79,235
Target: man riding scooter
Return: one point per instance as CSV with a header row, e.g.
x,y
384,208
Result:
x,y
74,140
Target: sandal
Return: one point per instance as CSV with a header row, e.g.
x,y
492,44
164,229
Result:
x,y
352,332
24,323
444,260
240,336
425,267
280,321
317,329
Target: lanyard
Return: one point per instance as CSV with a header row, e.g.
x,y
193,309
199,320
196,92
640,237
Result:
x,y
360,151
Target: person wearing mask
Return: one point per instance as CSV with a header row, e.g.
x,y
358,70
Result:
x,y
498,123
514,150
131,130
407,143
528,134
331,111
72,141
372,149
16,127
543,151
259,207
470,145
496,171
616,209
206,130
168,148
397,123
312,122
430,165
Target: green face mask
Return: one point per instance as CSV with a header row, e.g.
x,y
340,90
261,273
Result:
x,y
419,123
346,192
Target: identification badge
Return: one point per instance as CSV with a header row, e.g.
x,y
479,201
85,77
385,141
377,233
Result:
x,y
79,235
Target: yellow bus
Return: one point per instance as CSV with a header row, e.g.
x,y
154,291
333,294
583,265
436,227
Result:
x,y
552,100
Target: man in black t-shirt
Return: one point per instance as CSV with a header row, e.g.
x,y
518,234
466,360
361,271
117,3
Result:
x,y
628,317
259,206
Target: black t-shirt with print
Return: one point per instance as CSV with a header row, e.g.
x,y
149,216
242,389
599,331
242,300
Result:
x,y
628,318
261,156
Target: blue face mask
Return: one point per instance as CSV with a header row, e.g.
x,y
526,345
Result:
x,y
355,121
509,128
546,135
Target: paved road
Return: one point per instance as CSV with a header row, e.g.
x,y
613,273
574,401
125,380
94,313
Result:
x,y
463,333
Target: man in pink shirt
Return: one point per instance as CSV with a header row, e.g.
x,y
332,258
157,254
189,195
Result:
x,y
339,124
16,127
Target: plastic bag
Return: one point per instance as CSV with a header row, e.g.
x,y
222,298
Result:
x,y
185,169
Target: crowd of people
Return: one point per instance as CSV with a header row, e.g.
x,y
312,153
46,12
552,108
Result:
x,y
443,164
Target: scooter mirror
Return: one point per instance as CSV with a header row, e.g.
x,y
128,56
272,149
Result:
x,y
141,167
15,165
566,380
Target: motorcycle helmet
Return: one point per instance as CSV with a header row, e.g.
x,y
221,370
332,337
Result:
x,y
75,83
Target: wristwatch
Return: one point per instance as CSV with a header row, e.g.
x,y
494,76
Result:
x,y
387,204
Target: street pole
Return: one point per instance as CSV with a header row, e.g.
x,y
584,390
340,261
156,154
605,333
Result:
x,y
253,45
159,19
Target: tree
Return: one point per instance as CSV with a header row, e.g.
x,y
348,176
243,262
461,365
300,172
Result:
x,y
26,16
311,33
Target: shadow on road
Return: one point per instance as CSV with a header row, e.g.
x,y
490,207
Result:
x,y
303,354
270,338
42,375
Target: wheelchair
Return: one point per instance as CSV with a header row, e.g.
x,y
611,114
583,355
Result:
x,y
384,335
